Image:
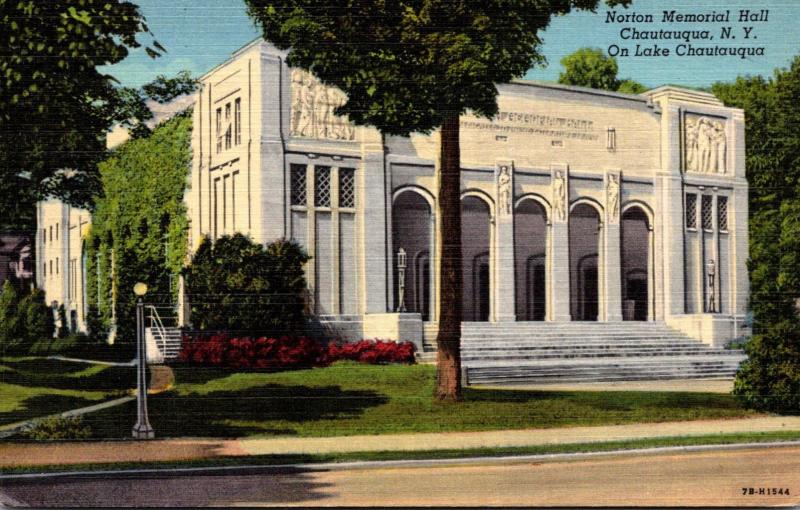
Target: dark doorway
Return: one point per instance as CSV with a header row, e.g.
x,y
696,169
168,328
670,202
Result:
x,y
584,230
411,231
475,232
635,252
530,243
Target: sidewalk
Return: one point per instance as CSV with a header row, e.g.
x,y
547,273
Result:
x,y
31,454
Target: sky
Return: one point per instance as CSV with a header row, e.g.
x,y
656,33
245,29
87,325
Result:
x,y
200,34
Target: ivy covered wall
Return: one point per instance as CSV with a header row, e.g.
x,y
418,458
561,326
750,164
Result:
x,y
139,226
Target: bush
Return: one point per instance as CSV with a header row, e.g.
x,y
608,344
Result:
x,y
239,286
769,380
36,317
63,326
10,330
287,352
58,428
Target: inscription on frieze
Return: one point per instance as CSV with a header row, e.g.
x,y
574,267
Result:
x,y
535,124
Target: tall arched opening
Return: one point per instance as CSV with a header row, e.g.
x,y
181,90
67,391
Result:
x,y
530,260
412,231
584,237
635,254
475,249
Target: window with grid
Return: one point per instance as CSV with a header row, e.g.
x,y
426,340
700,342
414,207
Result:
x,y
347,187
707,213
228,133
237,121
298,185
219,129
691,210
722,213
322,186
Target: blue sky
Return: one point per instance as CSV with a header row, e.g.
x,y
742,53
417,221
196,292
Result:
x,y
200,34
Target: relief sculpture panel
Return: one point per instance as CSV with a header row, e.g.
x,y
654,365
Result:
x,y
706,145
313,106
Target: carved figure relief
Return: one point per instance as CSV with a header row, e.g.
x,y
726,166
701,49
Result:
x,y
504,191
313,106
612,197
560,195
706,145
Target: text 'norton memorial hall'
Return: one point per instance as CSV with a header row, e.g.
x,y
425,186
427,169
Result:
x,y
578,205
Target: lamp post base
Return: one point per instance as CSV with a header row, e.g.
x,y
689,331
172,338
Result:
x,y
143,432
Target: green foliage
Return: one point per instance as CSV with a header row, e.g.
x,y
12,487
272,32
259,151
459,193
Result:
x,y
36,318
58,428
10,329
425,60
238,286
132,110
139,227
164,90
63,324
770,379
57,104
591,67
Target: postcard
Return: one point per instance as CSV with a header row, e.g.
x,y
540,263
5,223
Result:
x,y
399,253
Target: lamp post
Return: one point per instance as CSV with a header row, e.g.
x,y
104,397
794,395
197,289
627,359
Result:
x,y
142,429
401,280
711,271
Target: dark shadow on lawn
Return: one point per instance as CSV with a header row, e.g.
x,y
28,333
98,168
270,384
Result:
x,y
45,405
257,411
609,400
42,374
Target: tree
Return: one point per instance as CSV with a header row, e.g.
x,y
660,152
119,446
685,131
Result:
x,y
591,67
56,104
9,319
36,317
415,66
770,378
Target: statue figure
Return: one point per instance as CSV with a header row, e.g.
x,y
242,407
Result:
x,y
720,147
612,191
504,190
560,196
305,105
704,145
322,109
691,145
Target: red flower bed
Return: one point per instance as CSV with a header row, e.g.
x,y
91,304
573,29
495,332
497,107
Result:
x,y
287,352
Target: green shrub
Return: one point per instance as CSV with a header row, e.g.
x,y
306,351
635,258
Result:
x,y
36,317
58,428
10,329
241,287
769,379
63,325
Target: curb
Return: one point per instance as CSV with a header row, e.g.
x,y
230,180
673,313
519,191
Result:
x,y
358,465
131,363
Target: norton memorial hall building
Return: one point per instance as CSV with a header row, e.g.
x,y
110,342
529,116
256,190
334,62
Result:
x,y
578,205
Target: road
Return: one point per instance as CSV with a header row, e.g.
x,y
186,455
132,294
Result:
x,y
711,478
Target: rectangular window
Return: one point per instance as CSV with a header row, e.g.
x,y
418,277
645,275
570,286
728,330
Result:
x,y
322,186
44,236
56,231
216,207
56,265
298,191
228,129
51,233
347,187
51,268
225,203
707,213
44,269
237,120
219,129
233,201
691,210
722,213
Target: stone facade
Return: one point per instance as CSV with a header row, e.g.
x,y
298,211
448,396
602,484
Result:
x,y
578,204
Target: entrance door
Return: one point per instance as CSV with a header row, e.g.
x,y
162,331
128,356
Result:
x,y
481,272
584,238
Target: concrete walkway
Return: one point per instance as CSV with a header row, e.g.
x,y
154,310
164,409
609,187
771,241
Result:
x,y
691,385
32,454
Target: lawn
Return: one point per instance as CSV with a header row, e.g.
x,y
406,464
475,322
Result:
x,y
31,387
350,398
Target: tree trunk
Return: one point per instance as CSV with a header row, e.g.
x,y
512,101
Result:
x,y
448,356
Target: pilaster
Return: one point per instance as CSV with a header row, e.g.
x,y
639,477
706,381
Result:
x,y
374,224
504,239
611,242
559,269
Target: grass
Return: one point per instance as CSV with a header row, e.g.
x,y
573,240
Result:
x,y
277,460
32,387
350,398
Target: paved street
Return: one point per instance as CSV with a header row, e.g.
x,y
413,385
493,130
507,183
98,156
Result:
x,y
686,479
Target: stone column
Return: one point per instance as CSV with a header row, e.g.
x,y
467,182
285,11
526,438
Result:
x,y
737,218
669,214
611,244
559,231
375,227
504,239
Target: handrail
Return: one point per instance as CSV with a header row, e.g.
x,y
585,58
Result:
x,y
157,325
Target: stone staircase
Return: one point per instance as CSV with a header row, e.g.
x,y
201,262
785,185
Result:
x,y
526,353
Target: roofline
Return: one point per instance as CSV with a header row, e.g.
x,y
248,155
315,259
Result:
x,y
242,49
579,90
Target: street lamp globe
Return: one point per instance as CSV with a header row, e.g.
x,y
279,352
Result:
x,y
140,289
